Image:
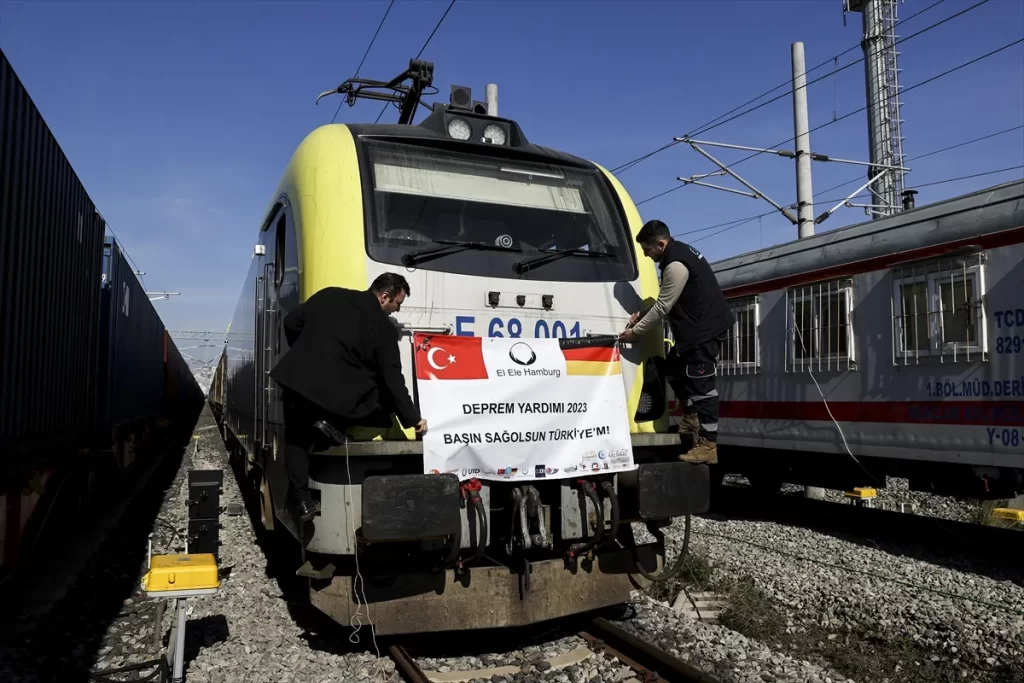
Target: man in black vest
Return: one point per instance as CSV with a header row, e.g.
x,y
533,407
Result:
x,y
699,318
342,368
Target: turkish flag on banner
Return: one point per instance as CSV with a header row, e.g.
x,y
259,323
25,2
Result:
x,y
449,357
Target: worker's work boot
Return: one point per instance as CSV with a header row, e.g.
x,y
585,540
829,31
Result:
x,y
305,508
704,452
689,424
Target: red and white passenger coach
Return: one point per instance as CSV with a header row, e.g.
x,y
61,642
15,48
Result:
x,y
891,347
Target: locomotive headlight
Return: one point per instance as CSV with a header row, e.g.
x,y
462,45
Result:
x,y
495,133
459,129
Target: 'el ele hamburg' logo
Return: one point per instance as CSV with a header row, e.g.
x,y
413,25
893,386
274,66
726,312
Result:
x,y
453,357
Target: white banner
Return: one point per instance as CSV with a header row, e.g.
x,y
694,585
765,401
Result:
x,y
507,409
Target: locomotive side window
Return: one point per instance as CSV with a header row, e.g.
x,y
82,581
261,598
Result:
x,y
819,329
279,249
939,311
741,352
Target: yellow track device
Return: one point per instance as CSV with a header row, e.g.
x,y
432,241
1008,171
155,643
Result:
x,y
175,575
180,577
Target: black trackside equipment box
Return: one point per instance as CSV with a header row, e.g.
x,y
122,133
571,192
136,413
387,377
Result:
x,y
204,489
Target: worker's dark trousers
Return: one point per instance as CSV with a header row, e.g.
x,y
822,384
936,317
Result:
x,y
692,377
300,436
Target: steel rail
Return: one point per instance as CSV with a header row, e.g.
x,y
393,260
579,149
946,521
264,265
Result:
x,y
654,664
406,665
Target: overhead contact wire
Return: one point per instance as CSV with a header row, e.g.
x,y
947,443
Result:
x,y
715,123
418,54
936,77
361,61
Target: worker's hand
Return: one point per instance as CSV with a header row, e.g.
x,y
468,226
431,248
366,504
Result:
x,y
633,319
628,336
421,427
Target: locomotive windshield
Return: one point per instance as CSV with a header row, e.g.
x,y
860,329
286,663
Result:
x,y
465,213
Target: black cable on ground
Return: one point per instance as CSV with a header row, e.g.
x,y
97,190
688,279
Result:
x,y
669,573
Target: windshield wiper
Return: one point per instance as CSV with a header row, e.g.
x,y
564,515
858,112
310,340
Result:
x,y
449,247
523,266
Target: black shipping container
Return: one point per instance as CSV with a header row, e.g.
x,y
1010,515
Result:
x,y
50,247
183,398
131,346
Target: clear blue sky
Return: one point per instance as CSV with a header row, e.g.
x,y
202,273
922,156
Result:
x,y
181,116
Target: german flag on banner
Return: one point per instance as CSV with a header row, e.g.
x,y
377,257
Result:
x,y
595,361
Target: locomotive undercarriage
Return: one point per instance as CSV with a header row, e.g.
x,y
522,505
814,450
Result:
x,y
551,548
390,535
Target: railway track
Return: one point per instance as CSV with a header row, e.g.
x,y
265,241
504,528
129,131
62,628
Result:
x,y
406,665
650,664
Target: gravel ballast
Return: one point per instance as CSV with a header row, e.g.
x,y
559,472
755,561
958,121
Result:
x,y
866,609
258,628
897,493
250,631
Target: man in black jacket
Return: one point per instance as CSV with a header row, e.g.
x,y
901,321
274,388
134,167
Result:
x,y
699,318
342,368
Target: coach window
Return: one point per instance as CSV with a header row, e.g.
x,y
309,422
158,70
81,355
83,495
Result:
x,y
741,352
939,310
820,326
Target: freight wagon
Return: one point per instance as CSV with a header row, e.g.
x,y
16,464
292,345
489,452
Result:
x,y
132,358
891,347
89,378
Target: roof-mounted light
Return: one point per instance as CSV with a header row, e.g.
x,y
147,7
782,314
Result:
x,y
466,120
459,129
495,134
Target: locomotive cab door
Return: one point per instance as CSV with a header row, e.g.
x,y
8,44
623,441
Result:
x,y
267,338
273,416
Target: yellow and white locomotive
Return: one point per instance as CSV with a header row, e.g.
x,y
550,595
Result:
x,y
497,237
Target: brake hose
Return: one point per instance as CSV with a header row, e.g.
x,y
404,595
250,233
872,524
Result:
x,y
589,491
471,490
482,536
453,557
669,573
614,501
